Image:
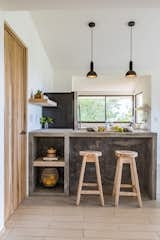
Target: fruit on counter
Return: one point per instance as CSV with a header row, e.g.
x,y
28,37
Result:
x,y
118,128
101,129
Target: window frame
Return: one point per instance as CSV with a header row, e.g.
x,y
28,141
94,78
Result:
x,y
105,96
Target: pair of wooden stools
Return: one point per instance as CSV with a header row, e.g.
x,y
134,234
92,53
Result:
x,y
124,157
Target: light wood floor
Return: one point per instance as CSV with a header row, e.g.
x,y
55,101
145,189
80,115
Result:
x,y
48,218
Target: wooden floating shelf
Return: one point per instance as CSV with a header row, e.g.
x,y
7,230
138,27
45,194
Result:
x,y
41,163
43,102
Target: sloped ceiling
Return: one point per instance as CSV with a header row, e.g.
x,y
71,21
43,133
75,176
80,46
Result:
x,y
66,38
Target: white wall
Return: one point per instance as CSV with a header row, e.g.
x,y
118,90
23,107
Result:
x,y
40,71
40,76
155,113
143,84
112,84
63,79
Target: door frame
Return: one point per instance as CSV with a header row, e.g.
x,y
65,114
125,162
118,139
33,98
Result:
x,y
21,43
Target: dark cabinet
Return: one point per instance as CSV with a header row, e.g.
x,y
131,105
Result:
x,y
63,114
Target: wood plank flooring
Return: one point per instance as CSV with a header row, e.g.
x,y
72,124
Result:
x,y
57,218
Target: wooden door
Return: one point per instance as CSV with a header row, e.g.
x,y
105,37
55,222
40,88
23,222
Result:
x,y
15,121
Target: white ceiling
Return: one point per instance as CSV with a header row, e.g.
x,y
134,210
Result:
x,y
66,38
76,4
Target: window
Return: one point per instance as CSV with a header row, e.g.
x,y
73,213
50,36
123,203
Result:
x,y
96,109
138,104
119,108
91,108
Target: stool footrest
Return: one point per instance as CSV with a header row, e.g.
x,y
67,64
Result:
x,y
129,194
87,192
126,186
90,184
90,160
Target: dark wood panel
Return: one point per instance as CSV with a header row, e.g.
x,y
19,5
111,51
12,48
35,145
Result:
x,y
108,161
63,114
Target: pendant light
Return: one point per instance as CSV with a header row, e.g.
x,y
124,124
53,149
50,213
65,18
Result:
x,y
131,73
91,73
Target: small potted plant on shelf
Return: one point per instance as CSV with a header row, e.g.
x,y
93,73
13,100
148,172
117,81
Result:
x,y
38,94
44,121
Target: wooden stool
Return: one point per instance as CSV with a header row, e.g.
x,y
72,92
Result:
x,y
126,157
90,157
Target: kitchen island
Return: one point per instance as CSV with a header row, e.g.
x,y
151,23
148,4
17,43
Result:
x,y
68,144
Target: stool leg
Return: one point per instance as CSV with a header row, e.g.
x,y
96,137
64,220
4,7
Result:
x,y
118,183
137,183
99,181
132,177
81,181
115,178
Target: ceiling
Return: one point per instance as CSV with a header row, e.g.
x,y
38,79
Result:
x,y
76,4
66,38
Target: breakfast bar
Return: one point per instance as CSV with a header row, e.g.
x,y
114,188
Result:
x,y
70,142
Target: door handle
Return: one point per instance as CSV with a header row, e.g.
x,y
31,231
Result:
x,y
22,132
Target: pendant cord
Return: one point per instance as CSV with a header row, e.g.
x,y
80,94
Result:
x,y
92,44
131,43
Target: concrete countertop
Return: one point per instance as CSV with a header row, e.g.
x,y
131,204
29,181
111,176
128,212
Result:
x,y
84,133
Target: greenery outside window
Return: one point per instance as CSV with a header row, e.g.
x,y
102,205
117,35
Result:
x,y
91,108
101,109
119,108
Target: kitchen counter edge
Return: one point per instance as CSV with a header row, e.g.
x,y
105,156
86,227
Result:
x,y
79,133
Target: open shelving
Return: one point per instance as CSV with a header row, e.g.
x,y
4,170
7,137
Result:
x,y
41,163
43,102
38,148
39,190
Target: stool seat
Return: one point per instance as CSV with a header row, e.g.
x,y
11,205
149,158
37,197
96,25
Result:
x,y
88,152
126,153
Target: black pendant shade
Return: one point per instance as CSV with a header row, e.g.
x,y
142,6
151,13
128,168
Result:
x,y
91,73
131,73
